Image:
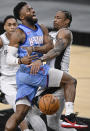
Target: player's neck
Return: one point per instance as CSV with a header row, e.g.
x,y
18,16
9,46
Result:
x,y
32,26
8,36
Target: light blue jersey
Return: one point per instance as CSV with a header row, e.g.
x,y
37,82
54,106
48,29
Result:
x,y
33,38
27,83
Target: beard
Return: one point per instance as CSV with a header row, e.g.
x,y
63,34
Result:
x,y
55,28
31,21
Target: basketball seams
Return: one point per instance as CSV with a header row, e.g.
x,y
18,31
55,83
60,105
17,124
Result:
x,y
49,104
44,104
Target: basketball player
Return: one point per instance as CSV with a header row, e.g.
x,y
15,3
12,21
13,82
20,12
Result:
x,y
62,21
9,72
29,33
53,120
8,77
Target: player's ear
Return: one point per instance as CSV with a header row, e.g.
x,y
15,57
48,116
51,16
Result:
x,y
21,17
67,21
4,27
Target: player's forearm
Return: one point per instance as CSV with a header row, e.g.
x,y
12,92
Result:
x,y
50,55
53,53
43,49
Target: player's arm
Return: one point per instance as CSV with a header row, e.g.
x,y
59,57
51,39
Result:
x,y
17,37
47,41
1,43
62,41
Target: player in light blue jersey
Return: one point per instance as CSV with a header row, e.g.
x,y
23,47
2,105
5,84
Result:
x,y
8,73
29,78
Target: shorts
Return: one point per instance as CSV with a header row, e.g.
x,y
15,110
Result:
x,y
24,101
55,77
28,84
8,85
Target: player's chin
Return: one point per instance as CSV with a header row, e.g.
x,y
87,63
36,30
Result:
x,y
35,20
12,31
55,26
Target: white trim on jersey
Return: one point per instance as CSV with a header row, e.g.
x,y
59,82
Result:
x,y
66,57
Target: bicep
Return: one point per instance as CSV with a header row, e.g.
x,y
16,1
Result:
x,y
15,39
63,37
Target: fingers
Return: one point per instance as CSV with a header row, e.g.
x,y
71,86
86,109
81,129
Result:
x,y
34,56
23,47
34,69
35,66
28,49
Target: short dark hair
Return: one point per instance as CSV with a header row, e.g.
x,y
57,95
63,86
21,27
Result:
x,y
68,15
8,17
17,9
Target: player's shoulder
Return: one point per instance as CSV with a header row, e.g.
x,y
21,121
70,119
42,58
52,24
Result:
x,y
3,35
44,28
1,43
2,38
19,33
64,30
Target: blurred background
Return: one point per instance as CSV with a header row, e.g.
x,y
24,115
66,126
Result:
x,y
46,9
80,51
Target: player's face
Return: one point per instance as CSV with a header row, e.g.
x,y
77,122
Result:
x,y
27,13
59,20
10,25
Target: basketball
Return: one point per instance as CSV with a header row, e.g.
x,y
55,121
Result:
x,y
49,104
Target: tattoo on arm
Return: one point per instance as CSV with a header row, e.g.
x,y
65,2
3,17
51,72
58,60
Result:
x,y
46,47
59,47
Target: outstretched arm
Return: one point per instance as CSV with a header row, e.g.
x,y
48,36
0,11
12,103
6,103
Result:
x,y
62,41
17,37
47,43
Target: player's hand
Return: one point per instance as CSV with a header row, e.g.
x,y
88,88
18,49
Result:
x,y
28,49
28,59
35,66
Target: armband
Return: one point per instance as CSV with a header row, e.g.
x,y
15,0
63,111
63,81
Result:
x,y
11,56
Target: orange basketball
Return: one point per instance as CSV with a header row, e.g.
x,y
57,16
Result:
x,y
49,104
